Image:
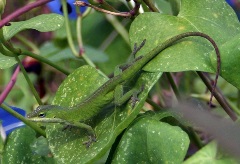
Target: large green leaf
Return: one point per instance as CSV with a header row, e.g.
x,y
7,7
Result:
x,y
67,146
152,141
210,154
17,148
96,32
215,18
42,23
6,62
56,54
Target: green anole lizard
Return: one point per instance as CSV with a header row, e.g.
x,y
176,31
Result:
x,y
108,92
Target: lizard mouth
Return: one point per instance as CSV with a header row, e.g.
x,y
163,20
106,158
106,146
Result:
x,y
47,120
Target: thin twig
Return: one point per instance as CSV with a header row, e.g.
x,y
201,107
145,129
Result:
x,y
155,106
219,98
151,6
10,85
35,93
173,85
122,14
218,65
118,27
44,60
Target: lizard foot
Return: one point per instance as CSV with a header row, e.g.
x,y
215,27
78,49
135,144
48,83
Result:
x,y
134,98
138,48
92,138
67,127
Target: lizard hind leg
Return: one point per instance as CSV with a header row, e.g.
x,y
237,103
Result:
x,y
91,139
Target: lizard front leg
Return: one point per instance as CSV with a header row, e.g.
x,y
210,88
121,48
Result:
x,y
132,58
91,136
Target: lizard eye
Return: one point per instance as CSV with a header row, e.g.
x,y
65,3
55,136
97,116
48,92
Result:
x,y
41,115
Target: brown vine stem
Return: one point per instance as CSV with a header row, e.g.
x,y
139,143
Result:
x,y
21,11
218,96
151,6
122,14
103,4
213,88
10,85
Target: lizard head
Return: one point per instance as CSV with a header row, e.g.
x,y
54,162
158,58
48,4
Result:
x,y
44,111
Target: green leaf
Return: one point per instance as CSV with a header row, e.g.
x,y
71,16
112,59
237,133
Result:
x,y
40,146
95,55
67,146
95,30
215,18
115,57
164,6
17,147
152,141
6,62
210,154
42,23
56,54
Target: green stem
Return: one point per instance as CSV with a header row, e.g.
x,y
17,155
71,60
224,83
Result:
x,y
5,52
29,81
175,5
118,27
238,99
145,8
28,43
195,137
160,97
155,106
151,6
2,48
17,52
79,34
187,82
87,12
23,119
173,85
44,60
68,31
218,96
103,5
233,107
109,39
80,42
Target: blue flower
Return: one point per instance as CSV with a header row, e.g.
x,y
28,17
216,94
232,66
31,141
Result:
x,y
9,122
235,4
56,7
